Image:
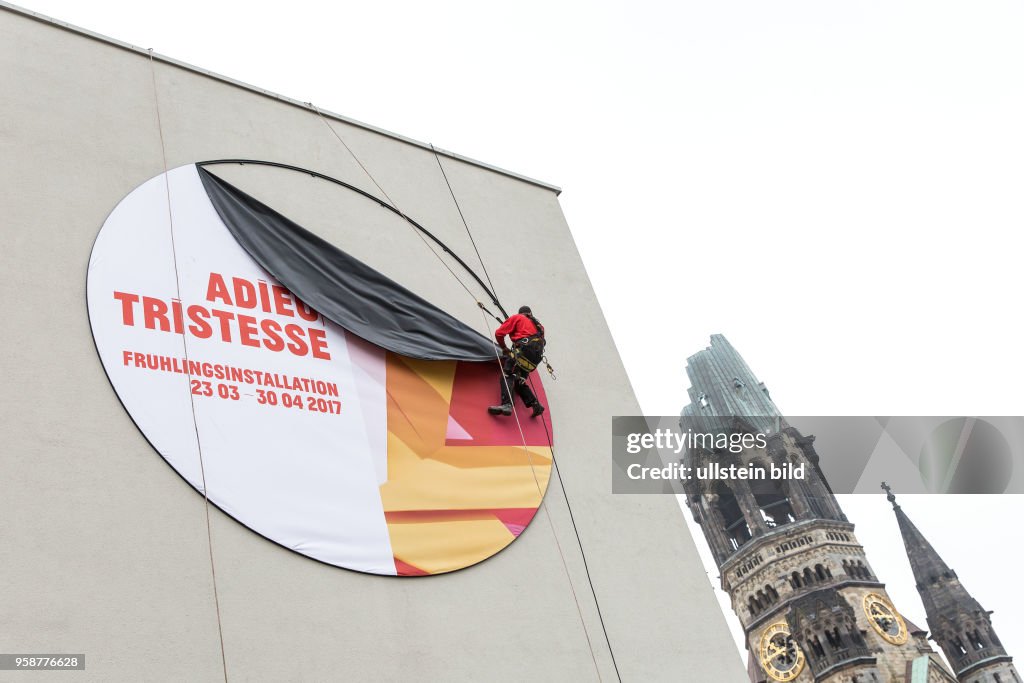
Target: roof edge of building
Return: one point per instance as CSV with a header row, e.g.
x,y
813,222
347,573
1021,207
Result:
x,y
42,18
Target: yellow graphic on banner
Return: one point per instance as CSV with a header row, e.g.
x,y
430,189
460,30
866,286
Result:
x,y
456,493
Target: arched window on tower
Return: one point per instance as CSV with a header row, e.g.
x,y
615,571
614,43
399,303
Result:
x,y
838,638
735,526
773,500
808,576
819,570
833,639
794,579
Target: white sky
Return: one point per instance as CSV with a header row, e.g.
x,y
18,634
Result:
x,y
836,186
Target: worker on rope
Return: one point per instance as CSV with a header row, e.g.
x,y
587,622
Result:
x,y
527,336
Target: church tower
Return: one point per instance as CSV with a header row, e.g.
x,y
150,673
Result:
x,y
959,625
809,602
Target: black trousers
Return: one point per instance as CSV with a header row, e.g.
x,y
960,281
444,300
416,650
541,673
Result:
x,y
515,378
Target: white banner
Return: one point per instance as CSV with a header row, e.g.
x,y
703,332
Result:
x,y
291,422
303,432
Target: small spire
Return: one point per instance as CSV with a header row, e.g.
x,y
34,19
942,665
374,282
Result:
x,y
950,609
890,496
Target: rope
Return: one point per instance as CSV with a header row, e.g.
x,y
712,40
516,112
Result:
x,y
515,413
579,541
184,343
392,203
437,157
547,513
554,466
479,258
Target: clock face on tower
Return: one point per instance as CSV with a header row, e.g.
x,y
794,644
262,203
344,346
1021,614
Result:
x,y
781,658
884,618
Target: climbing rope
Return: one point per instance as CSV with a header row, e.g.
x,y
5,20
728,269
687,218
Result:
x,y
184,343
479,258
547,513
551,446
579,541
411,222
522,435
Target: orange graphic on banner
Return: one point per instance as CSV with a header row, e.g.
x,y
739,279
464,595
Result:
x,y
457,491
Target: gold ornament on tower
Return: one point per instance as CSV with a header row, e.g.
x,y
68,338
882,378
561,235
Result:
x,y
884,618
781,658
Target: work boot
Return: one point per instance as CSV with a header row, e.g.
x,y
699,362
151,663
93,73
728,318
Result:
x,y
504,409
537,409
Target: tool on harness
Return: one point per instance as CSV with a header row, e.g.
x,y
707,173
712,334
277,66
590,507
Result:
x,y
527,352
538,340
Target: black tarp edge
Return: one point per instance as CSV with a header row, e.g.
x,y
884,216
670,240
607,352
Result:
x,y
342,288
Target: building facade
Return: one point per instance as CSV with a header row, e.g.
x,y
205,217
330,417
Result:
x,y
108,552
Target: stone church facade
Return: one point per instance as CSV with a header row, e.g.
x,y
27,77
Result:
x,y
810,604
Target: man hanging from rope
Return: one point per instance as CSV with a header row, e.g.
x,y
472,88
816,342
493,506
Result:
x,y
527,336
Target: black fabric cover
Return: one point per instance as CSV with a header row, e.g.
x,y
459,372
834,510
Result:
x,y
342,288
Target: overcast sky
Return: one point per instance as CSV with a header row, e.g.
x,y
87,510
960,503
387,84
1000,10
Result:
x,y
835,186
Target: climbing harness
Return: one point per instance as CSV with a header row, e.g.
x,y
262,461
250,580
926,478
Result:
x,y
527,352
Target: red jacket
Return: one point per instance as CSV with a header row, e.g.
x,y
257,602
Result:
x,y
516,327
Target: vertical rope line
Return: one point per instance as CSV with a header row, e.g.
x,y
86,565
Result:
x,y
579,542
554,468
184,343
565,566
554,464
547,513
464,222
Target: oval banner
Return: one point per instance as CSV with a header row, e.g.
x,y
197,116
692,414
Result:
x,y
311,436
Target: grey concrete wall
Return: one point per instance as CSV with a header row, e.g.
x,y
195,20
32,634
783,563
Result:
x,y
103,549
